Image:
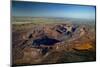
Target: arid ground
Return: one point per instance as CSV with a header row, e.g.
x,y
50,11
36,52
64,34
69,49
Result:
x,y
52,42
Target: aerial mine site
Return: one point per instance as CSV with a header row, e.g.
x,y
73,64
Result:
x,y
52,33
45,42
